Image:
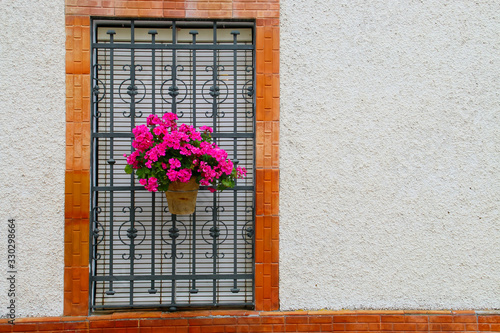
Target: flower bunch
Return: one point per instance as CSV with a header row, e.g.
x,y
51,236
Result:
x,y
165,153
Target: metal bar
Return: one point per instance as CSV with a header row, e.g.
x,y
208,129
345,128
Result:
x,y
132,193
141,188
235,34
174,69
214,210
194,33
111,163
93,201
153,290
249,135
174,47
174,110
193,289
177,305
254,104
245,276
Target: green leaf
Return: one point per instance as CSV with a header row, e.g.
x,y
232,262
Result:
x,y
140,173
129,169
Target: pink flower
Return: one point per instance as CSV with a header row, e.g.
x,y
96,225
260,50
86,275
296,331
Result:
x,y
174,163
172,175
207,129
152,185
132,159
153,120
195,135
184,175
164,165
211,189
158,130
143,138
169,116
241,172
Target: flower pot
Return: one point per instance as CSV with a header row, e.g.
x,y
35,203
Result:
x,y
181,197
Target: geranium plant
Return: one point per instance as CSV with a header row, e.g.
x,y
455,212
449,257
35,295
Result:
x,y
166,153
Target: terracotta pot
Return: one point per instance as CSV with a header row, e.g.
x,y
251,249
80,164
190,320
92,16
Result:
x,y
181,197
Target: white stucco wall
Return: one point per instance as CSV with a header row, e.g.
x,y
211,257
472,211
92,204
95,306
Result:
x,y
390,154
32,152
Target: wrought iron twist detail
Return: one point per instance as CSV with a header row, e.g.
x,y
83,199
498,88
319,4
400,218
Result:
x,y
177,235
98,90
98,233
173,89
134,235
247,92
218,233
132,90
217,89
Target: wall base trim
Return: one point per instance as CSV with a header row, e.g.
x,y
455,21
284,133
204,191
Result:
x,y
271,321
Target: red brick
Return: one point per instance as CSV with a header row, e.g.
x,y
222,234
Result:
x,y
102,323
76,325
199,321
452,327
344,319
337,327
464,319
483,327
249,320
356,327
297,320
386,327
24,327
225,321
126,323
308,328
488,319
416,319
368,319
404,327
273,320
495,327
392,319
440,319
471,327
434,327
320,319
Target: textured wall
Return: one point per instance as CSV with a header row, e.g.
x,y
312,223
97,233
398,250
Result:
x,y
32,156
390,154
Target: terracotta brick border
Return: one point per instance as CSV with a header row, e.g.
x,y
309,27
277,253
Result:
x,y
252,321
78,13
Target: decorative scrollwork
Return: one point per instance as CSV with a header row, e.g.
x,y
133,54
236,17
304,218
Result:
x,y
98,232
98,90
173,233
172,87
217,89
247,91
126,235
219,209
247,232
218,232
132,90
135,233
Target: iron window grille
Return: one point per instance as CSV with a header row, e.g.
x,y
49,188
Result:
x,y
141,256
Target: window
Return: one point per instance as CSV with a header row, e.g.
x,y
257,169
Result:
x,y
142,256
